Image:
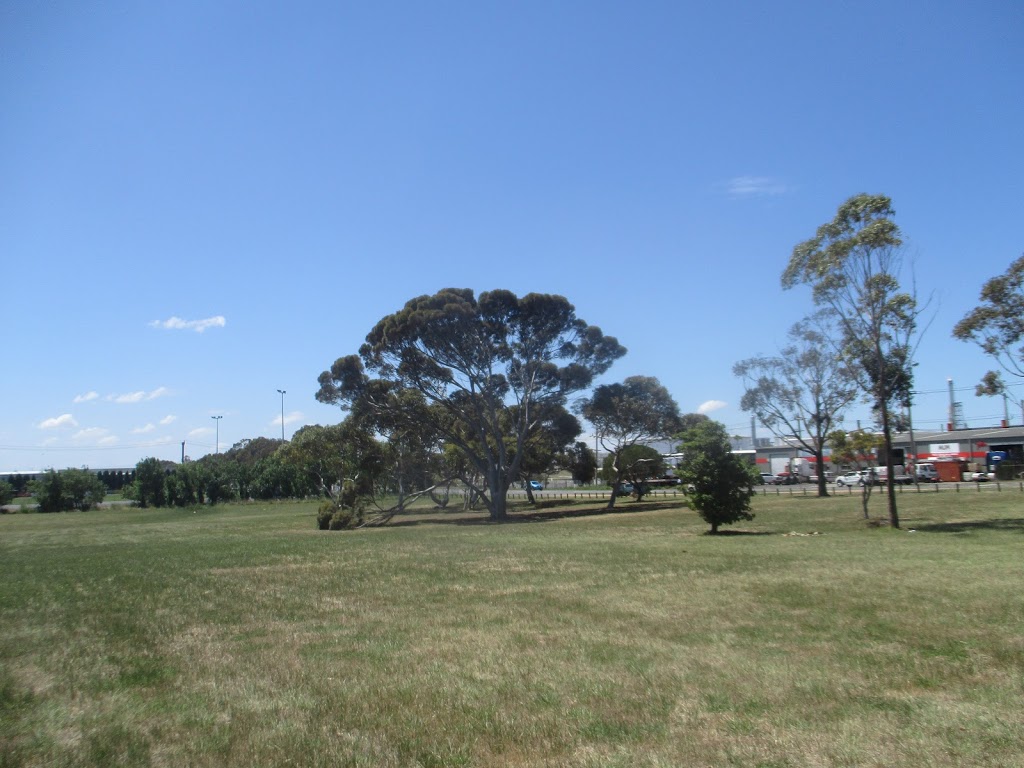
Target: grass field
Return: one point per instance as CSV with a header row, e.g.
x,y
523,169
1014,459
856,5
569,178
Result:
x,y
241,636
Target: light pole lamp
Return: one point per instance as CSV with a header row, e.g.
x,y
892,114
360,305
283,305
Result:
x,y
216,420
282,391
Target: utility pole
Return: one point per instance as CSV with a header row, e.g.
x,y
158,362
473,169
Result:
x,y
282,391
216,420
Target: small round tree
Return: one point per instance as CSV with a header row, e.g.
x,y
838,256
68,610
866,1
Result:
x,y
720,482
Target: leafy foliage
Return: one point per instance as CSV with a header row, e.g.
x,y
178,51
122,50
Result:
x,y
722,483
581,462
856,449
343,462
72,489
636,411
477,372
997,326
634,464
149,488
6,492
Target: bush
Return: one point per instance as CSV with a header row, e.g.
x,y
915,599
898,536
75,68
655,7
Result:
x,y
72,489
6,493
335,517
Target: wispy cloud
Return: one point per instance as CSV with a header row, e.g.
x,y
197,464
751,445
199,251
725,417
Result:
x,y
755,186
201,432
144,430
64,420
140,396
178,324
110,440
90,433
289,418
711,405
86,397
168,419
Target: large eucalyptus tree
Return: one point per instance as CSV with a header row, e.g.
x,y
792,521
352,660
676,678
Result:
x,y
486,370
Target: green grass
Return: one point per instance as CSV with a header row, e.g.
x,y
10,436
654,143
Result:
x,y
241,636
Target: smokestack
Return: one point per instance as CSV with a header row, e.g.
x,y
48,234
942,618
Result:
x,y
952,407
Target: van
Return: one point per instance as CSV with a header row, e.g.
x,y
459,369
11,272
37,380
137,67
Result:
x,y
899,475
926,473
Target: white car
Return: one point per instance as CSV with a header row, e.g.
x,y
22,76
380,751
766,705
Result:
x,y
982,477
848,478
855,478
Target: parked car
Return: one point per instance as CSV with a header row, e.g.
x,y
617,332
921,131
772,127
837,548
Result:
x,y
926,473
536,485
982,477
626,489
786,478
767,478
857,477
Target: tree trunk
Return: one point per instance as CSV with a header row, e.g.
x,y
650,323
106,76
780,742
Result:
x,y
883,406
894,518
611,500
819,459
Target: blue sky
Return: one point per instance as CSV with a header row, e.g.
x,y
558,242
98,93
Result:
x,y
202,203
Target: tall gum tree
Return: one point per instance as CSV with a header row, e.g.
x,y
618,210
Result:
x,y
800,393
852,266
488,369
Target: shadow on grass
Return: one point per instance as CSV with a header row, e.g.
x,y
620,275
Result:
x,y
1015,524
538,514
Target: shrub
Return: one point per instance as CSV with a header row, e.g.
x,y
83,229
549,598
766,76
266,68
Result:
x,y
68,490
6,493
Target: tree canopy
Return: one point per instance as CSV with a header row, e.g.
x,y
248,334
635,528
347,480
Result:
x,y
997,326
638,410
483,371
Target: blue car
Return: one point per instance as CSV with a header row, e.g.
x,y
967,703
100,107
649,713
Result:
x,y
536,485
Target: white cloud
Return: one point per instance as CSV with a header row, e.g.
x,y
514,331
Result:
x,y
86,397
201,432
110,440
90,433
64,420
755,186
168,419
711,405
143,430
131,397
140,396
289,418
177,324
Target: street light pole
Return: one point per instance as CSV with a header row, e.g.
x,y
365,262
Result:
x,y
216,420
282,391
